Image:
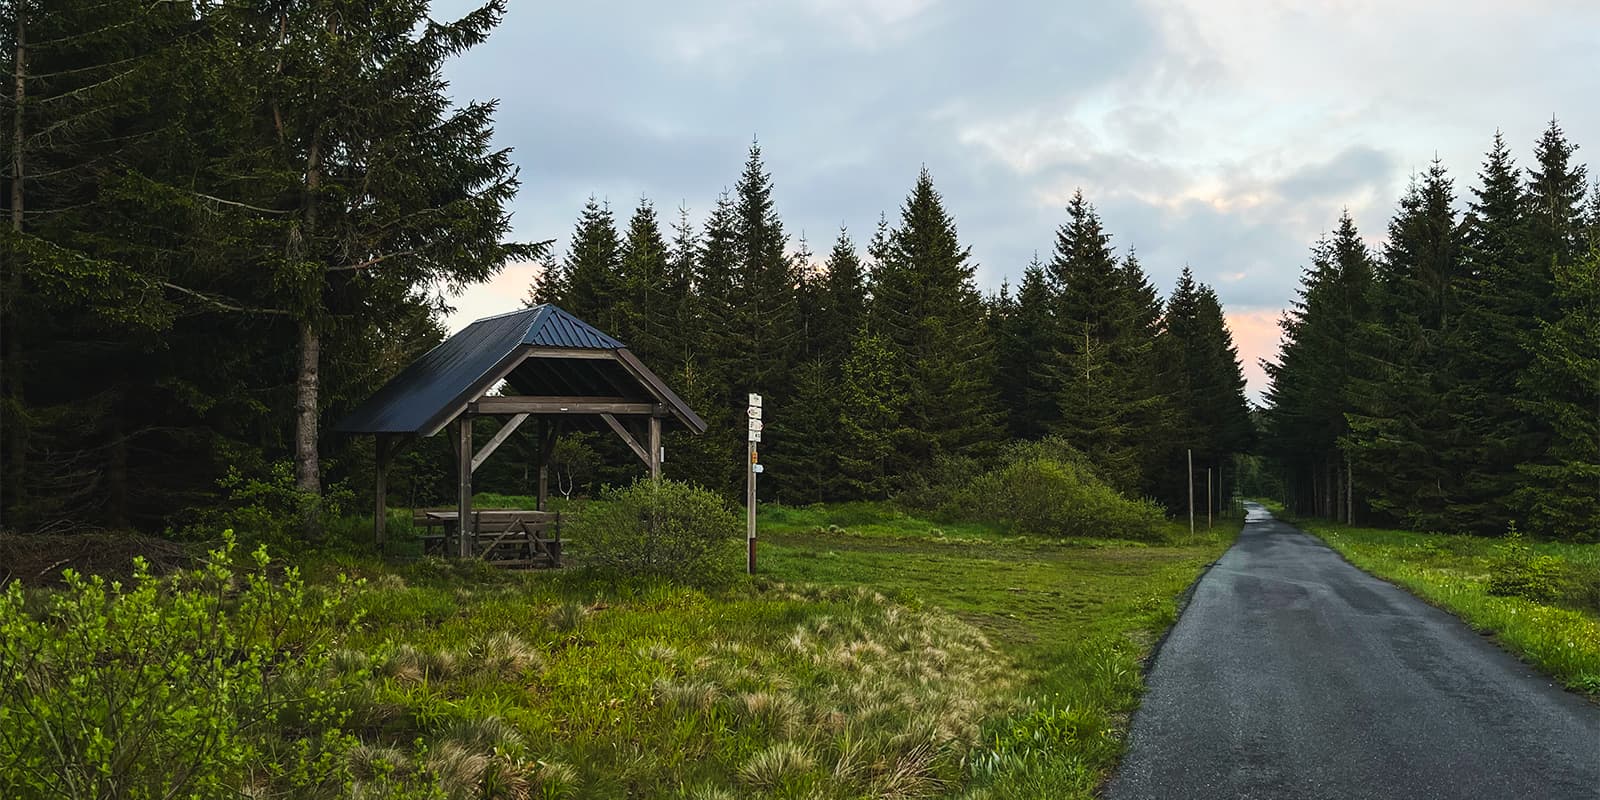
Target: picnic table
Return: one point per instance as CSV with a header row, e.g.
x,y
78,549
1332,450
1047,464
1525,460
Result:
x,y
503,537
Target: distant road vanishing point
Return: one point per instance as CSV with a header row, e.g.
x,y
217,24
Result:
x,y
1294,675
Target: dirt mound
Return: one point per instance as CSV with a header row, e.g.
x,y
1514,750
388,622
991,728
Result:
x,y
38,559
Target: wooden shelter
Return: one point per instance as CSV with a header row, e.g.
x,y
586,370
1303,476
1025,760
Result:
x,y
550,367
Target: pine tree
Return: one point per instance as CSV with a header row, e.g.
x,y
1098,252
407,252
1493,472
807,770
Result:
x,y
1023,326
927,307
1101,374
763,333
844,305
1401,434
715,365
870,417
1204,385
591,275
1561,388
1556,227
1501,295
808,459
1312,380
686,312
646,305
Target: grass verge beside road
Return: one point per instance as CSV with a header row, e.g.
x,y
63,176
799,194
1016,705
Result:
x,y
1559,634
1075,618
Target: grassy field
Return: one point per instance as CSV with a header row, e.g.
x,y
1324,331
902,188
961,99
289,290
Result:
x,y
1557,628
1074,619
875,655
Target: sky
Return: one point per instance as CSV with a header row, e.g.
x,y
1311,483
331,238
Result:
x,y
1225,135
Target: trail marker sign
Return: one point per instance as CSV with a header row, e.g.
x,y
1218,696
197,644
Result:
x,y
752,468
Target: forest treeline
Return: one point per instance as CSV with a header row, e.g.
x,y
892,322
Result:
x,y
229,223
225,223
1450,381
884,368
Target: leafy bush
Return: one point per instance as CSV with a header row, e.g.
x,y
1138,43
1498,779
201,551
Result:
x,y
1519,571
1047,496
270,509
204,683
662,529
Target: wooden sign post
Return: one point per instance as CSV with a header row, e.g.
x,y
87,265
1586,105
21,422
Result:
x,y
752,467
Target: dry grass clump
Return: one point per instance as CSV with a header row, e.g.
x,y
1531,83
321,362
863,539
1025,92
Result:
x,y
695,696
458,770
506,655
885,699
773,765
566,616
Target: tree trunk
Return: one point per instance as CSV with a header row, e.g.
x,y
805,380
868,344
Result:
x,y
16,438
17,138
307,475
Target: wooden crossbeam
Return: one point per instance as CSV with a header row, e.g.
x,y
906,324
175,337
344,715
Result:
x,y
495,441
569,352
627,438
562,405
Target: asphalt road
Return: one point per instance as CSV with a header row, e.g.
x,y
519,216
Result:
x,y
1292,674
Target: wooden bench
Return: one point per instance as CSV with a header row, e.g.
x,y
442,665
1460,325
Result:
x,y
508,538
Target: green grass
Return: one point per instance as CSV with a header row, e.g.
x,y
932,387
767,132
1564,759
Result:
x,y
875,654
1560,635
1075,618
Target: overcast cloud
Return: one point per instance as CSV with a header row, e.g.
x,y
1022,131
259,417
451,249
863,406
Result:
x,y
1222,134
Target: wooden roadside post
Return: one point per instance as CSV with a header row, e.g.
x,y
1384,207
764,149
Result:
x,y
752,466
1209,501
1191,493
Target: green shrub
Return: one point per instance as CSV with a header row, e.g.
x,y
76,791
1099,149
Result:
x,y
662,529
203,683
1048,497
1519,571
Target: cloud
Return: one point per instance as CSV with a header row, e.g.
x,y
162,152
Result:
x,y
1223,134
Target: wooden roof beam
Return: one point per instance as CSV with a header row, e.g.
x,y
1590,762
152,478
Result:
x,y
564,405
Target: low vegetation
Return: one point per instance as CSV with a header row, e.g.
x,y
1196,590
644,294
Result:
x,y
1540,599
1047,488
890,657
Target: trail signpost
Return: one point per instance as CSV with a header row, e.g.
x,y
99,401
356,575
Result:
x,y
752,467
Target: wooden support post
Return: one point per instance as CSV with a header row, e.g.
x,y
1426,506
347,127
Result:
x,y
547,446
655,448
464,526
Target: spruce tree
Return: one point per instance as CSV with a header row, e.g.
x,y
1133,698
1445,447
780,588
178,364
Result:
x,y
716,365
646,305
1402,436
1101,370
1311,383
1561,388
844,305
1023,348
927,307
808,460
1500,300
591,275
871,416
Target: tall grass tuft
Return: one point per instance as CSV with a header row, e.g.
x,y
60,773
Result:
x,y
776,764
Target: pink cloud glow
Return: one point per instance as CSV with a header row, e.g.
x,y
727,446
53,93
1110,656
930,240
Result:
x,y
1257,335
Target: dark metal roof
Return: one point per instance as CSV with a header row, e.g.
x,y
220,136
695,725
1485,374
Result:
x,y
435,388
